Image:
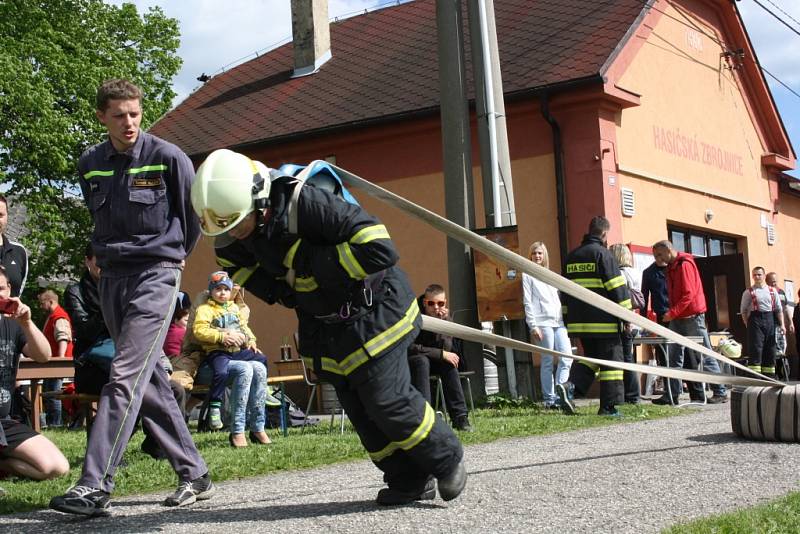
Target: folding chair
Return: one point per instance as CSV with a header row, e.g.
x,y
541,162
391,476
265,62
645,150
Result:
x,y
313,383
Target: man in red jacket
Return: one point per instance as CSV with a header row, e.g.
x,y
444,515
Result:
x,y
686,316
58,331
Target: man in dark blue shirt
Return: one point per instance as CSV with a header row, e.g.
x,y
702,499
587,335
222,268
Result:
x,y
654,283
137,188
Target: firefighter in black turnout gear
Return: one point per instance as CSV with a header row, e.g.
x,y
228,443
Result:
x,y
592,266
291,243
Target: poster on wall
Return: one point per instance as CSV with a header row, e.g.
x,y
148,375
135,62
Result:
x,y
498,287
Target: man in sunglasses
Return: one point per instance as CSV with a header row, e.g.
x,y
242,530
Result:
x,y
306,248
136,187
439,355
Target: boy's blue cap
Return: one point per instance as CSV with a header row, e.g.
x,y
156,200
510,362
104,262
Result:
x,y
219,278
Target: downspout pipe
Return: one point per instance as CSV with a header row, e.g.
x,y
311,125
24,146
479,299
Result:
x,y
558,160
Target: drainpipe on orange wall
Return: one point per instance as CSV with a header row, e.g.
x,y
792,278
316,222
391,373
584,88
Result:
x,y
561,197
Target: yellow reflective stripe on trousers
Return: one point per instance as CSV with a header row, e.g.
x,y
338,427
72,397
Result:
x,y
147,168
589,283
92,174
768,370
242,275
349,262
756,368
392,335
370,233
289,258
305,284
607,376
615,282
416,437
594,367
592,328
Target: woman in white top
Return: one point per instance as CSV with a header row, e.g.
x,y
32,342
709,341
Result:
x,y
543,315
633,278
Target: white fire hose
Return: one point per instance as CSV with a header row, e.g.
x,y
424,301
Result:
x,y
522,264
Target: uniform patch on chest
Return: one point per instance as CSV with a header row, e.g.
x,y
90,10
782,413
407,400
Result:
x,y
151,181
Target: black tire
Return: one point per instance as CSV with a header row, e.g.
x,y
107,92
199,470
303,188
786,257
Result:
x,y
766,413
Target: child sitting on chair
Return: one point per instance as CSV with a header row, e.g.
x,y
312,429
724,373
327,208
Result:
x,y
225,336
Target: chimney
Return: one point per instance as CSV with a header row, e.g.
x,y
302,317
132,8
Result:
x,y
311,36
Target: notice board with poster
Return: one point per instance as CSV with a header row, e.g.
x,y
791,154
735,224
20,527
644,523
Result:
x,y
498,287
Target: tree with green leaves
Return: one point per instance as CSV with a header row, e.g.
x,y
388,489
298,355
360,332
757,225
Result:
x,y
53,56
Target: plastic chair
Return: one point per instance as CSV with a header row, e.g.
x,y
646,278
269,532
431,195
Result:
x,y
313,383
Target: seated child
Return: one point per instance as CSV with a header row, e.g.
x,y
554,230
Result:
x,y
177,328
225,336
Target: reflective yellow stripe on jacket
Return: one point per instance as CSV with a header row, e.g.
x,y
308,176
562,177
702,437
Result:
x,y
370,233
592,328
589,283
349,262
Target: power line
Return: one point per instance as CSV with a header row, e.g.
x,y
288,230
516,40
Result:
x,y
784,12
725,47
795,93
765,8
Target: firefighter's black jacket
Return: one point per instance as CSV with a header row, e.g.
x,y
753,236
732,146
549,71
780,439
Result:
x,y
592,266
352,302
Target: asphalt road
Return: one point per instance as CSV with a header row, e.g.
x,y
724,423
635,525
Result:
x,y
638,477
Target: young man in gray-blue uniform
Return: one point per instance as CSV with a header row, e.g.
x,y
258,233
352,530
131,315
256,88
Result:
x,y
137,188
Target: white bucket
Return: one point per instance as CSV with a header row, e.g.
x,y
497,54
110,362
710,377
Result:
x,y
490,377
330,401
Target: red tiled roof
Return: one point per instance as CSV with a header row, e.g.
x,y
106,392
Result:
x,y
384,64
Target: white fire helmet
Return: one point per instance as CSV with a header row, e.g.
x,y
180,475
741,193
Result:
x,y
225,190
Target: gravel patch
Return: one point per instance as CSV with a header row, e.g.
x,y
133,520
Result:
x,y
637,478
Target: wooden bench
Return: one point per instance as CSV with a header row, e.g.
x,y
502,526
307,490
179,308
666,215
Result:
x,y
203,389
87,404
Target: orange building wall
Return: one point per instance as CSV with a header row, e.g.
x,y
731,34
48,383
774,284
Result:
x,y
693,145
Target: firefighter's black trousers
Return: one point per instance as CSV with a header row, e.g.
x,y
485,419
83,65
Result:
x,y
582,374
761,342
398,428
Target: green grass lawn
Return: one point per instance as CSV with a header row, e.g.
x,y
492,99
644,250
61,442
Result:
x,y
313,448
781,516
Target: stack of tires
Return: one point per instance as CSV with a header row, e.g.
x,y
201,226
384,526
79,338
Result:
x,y
766,413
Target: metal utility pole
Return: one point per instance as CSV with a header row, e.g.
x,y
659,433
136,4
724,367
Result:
x,y
490,107
457,168
498,191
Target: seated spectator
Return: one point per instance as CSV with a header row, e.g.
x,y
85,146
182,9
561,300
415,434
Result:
x,y
58,332
177,327
248,378
93,347
439,355
23,452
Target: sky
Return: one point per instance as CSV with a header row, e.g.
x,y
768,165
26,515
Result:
x,y
220,35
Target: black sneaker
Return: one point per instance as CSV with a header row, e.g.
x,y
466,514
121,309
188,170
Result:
x,y
462,423
191,491
453,484
396,497
82,500
565,393
663,401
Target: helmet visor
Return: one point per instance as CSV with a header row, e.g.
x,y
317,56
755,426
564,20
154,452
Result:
x,y
213,224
